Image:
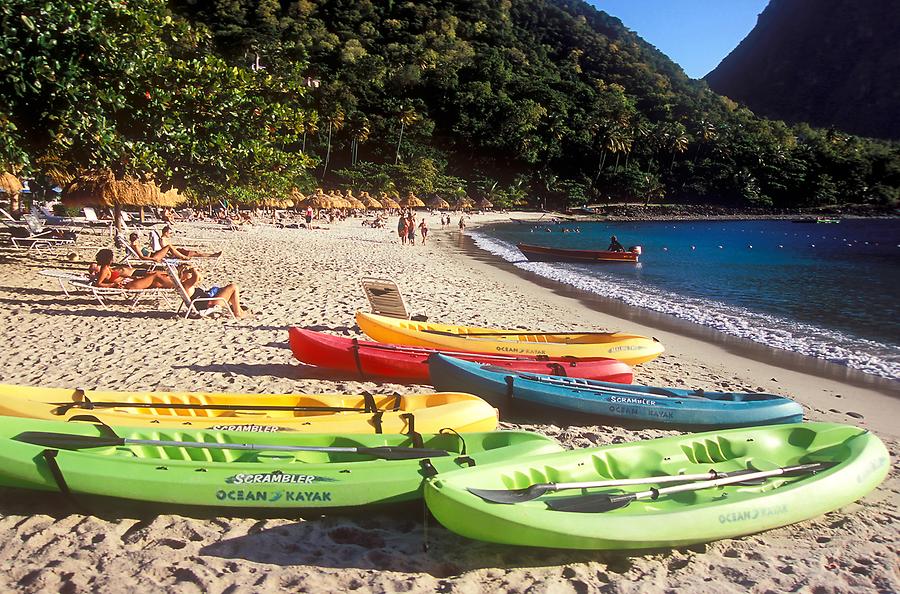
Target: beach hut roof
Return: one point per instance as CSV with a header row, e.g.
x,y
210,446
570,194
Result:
x,y
318,201
411,201
103,189
388,202
438,202
356,203
9,183
485,203
370,202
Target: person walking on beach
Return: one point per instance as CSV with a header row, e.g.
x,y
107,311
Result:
x,y
423,229
411,228
462,223
401,229
614,245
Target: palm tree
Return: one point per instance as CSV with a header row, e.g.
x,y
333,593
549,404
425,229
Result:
x,y
310,126
707,133
360,134
335,123
408,116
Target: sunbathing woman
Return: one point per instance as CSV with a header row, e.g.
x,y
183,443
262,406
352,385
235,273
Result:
x,y
144,253
109,277
228,295
184,254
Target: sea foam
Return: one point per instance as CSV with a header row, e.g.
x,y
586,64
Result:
x,y
858,353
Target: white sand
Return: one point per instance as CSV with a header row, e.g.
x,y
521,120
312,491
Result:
x,y
310,278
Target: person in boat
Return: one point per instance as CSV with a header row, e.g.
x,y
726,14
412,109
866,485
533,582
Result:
x,y
614,245
229,294
126,278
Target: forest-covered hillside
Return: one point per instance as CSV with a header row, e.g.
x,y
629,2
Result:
x,y
545,101
832,63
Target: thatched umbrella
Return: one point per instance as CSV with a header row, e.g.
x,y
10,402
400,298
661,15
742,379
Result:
x,y
370,202
318,201
105,190
387,201
11,186
463,204
356,203
485,204
438,203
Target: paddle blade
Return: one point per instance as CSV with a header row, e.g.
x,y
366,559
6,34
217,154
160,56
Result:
x,y
401,453
597,503
66,441
511,495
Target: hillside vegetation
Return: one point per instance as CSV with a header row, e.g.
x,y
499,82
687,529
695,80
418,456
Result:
x,y
546,102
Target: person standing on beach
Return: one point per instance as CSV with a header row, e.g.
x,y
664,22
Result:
x,y
401,229
423,229
309,217
411,228
462,223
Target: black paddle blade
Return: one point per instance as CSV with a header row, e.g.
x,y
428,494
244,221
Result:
x,y
597,503
66,441
401,453
511,495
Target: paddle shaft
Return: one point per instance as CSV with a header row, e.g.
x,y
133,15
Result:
x,y
677,478
47,439
187,406
721,482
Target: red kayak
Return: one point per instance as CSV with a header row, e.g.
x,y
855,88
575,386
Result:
x,y
410,364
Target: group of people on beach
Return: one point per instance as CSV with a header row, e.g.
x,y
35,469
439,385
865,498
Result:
x,y
406,228
104,273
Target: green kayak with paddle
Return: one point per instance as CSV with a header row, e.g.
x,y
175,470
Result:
x,y
667,492
238,469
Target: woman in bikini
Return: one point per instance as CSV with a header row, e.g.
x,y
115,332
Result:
x,y
109,277
181,253
229,294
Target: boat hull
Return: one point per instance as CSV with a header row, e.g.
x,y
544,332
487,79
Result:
x,y
410,364
860,462
624,402
537,253
237,479
632,349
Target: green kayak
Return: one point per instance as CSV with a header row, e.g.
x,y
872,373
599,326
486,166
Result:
x,y
683,490
240,469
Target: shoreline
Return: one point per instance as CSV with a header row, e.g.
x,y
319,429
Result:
x,y
829,389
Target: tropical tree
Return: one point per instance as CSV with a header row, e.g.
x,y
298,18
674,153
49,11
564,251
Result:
x,y
407,117
335,122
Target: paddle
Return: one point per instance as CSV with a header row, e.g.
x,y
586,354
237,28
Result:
x,y
538,489
576,383
517,333
601,502
64,407
74,442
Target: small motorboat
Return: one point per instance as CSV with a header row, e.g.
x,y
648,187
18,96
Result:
x,y
537,253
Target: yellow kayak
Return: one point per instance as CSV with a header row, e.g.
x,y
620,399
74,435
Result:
x,y
629,348
309,413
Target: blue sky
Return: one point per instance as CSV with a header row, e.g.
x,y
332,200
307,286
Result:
x,y
696,34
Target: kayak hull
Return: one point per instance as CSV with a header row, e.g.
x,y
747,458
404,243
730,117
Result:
x,y
410,364
537,253
860,461
624,402
632,349
237,479
426,413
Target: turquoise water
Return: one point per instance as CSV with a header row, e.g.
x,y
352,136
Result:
x,y
826,290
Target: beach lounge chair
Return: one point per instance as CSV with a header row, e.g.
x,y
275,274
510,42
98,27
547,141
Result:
x,y
386,300
34,235
217,304
133,296
65,276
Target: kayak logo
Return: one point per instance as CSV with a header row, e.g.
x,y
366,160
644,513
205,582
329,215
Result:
x,y
752,514
519,350
626,347
273,496
630,400
276,477
872,467
251,428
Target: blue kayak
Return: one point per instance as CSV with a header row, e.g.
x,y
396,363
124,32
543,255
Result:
x,y
670,406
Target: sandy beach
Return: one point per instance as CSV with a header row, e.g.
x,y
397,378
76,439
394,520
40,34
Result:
x,y
311,279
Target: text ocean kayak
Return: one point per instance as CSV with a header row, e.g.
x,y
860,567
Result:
x,y
629,402
628,348
271,476
410,364
852,462
318,413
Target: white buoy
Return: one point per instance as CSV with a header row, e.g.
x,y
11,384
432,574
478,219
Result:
x,y
721,247
749,246
780,246
693,247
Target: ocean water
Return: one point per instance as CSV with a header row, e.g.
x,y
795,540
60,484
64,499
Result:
x,y
830,291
